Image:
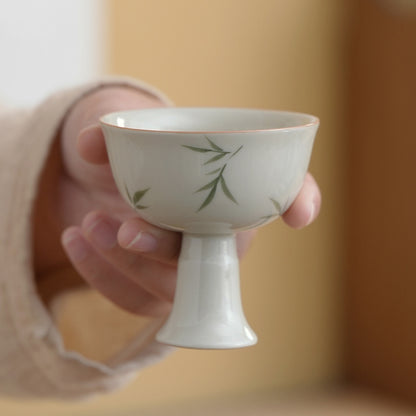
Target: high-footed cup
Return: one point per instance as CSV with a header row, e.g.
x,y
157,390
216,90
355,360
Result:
x,y
208,173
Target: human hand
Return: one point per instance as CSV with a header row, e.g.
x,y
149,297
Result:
x,y
129,261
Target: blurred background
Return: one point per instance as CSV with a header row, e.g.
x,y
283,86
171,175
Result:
x,y
334,305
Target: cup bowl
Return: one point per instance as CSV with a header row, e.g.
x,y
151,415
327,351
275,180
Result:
x,y
208,172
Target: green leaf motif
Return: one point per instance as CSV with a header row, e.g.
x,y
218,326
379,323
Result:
x,y
236,151
139,195
213,145
276,205
209,198
215,158
214,171
278,208
219,153
267,217
226,191
197,149
137,198
208,185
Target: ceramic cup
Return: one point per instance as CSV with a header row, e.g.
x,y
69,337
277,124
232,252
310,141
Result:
x,y
208,173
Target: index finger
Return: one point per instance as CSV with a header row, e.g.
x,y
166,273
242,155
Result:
x,y
91,145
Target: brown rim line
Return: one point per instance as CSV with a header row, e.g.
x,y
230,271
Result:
x,y
314,122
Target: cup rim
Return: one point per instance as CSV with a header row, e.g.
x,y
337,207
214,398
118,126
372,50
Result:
x,y
313,120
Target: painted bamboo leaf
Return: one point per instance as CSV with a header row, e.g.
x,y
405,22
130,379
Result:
x,y
267,217
236,151
137,197
226,191
215,158
276,214
276,205
214,171
197,149
213,145
212,186
209,198
208,185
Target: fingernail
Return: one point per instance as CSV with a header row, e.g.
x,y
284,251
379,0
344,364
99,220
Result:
x,y
75,246
102,234
312,212
141,241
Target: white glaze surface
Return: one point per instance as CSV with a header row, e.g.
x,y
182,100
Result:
x,y
209,173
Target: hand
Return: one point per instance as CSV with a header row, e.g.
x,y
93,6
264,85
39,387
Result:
x,y
129,261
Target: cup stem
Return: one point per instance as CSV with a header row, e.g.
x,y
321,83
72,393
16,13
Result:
x,y
207,310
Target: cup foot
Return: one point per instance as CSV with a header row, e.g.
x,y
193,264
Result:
x,y
207,310
215,336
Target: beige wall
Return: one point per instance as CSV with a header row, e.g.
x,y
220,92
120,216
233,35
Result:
x,y
271,54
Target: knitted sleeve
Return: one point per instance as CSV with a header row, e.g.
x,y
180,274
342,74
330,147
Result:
x,y
33,360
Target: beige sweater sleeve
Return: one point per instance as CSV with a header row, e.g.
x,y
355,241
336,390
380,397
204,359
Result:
x,y
33,360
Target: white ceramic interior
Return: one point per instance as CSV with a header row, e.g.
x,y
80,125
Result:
x,y
208,172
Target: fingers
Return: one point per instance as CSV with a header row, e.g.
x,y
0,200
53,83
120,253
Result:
x,y
143,281
154,276
133,264
139,236
306,206
106,279
244,240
